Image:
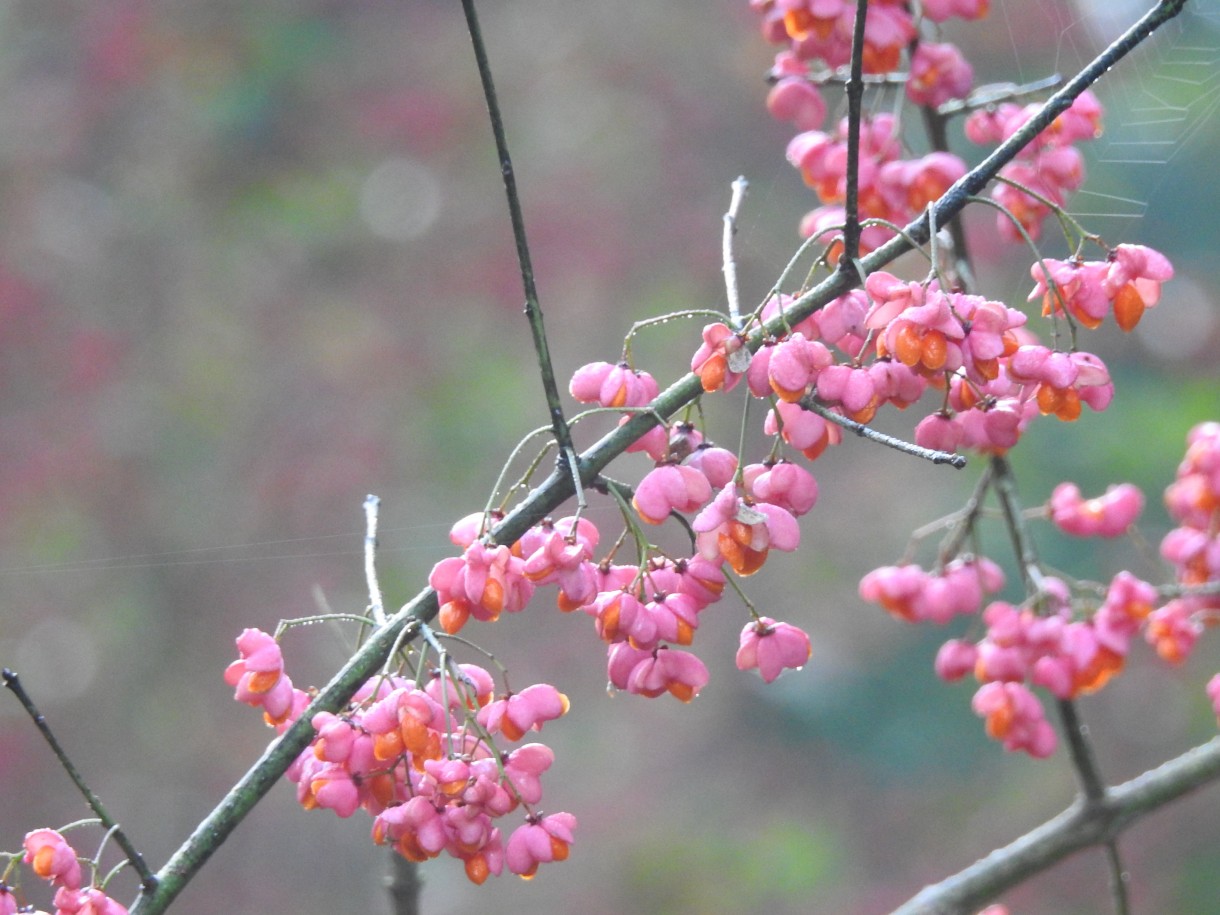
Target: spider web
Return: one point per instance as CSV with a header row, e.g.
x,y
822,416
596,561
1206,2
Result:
x,y
1160,104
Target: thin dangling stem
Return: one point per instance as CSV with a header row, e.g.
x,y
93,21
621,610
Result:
x,y
855,97
533,311
13,682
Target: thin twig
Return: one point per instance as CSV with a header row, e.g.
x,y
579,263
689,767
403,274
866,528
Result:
x,y
1014,519
994,93
957,461
403,885
821,75
964,524
376,607
1084,759
1119,878
739,187
533,311
13,682
855,97
1205,589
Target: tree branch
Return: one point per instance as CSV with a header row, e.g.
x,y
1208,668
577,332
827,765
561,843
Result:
x,y
1082,825
1080,749
403,884
533,310
811,403
855,97
13,683
954,199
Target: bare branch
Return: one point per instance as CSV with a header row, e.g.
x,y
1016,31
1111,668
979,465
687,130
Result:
x,y
533,311
13,682
732,294
957,461
1082,825
855,97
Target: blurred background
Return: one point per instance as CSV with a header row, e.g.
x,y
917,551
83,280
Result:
x,y
255,263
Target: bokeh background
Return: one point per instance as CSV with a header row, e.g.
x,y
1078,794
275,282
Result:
x,y
255,263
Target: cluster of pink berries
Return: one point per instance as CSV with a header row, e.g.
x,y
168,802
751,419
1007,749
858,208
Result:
x,y
996,375
916,596
422,760
1063,645
1022,647
740,515
1193,549
891,189
49,856
1030,378
1108,515
822,29
419,756
996,380
1044,647
895,339
819,33
644,611
1045,171
1127,282
885,344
